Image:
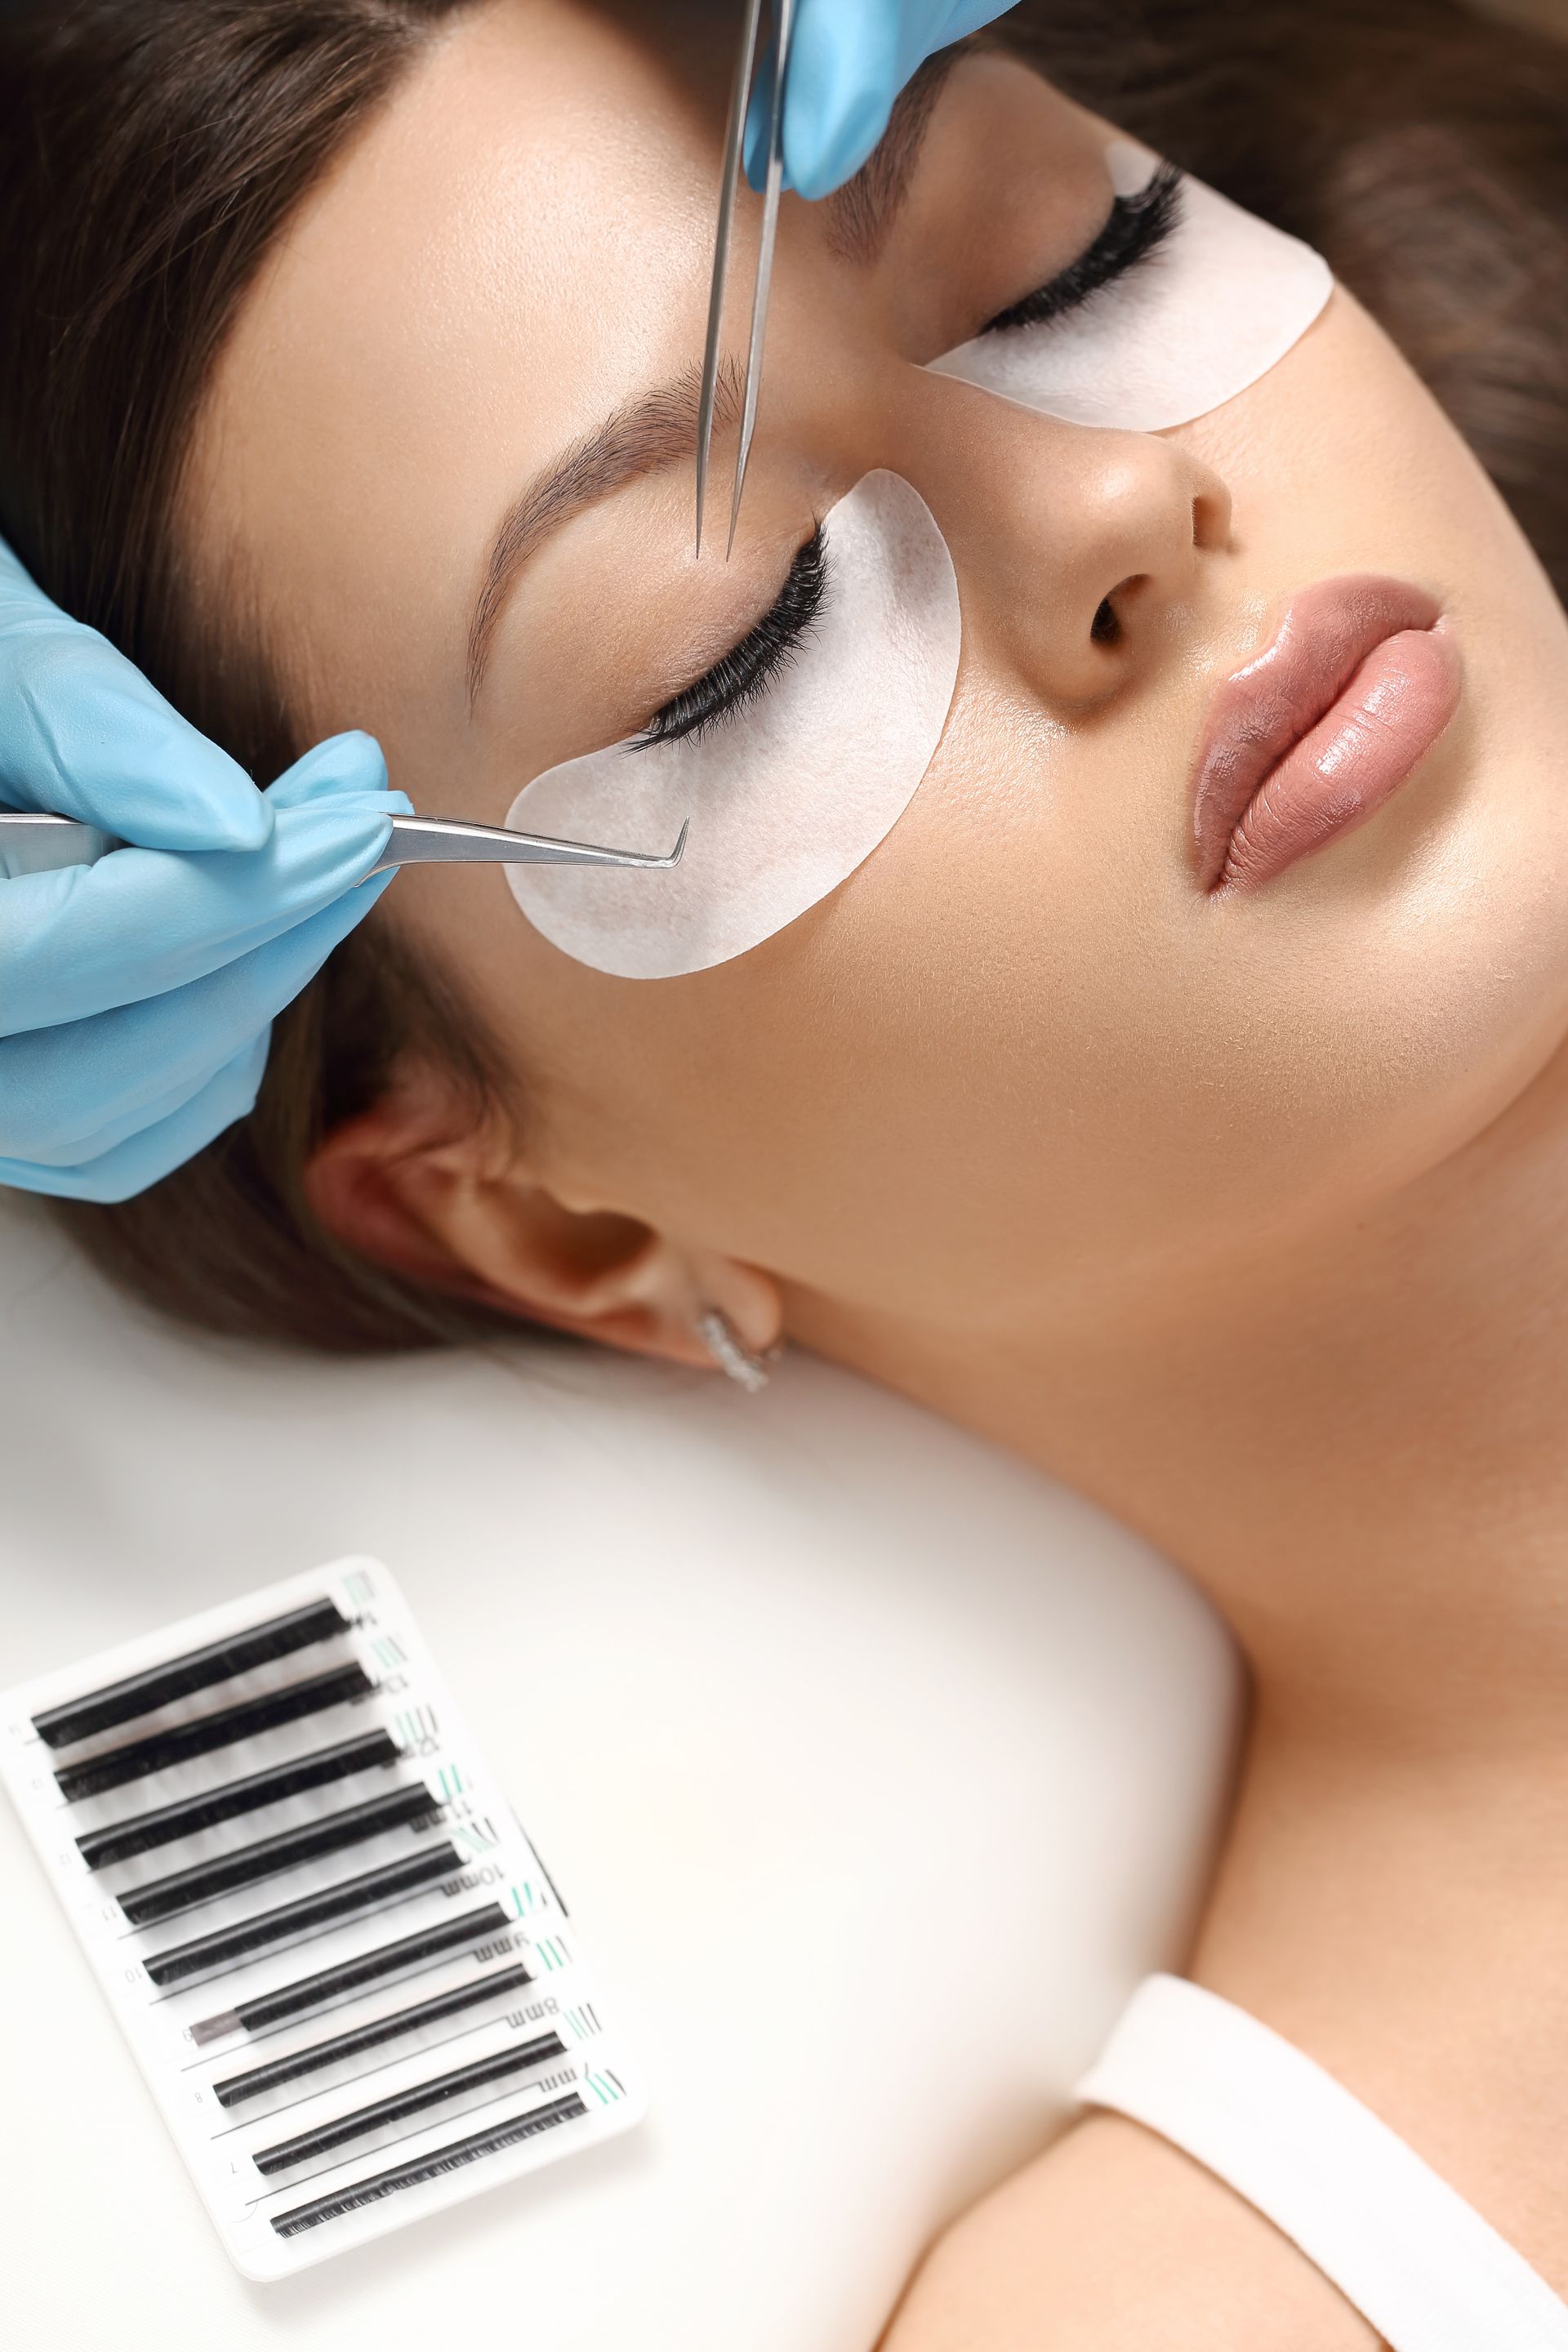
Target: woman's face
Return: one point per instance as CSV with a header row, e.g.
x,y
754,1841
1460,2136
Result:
x,y
1022,1053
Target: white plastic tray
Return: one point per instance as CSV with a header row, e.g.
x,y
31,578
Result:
x,y
479,2051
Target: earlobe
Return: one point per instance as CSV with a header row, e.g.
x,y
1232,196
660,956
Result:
x,y
399,1187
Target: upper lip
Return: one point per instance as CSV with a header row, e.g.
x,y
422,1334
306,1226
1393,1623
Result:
x,y
1263,710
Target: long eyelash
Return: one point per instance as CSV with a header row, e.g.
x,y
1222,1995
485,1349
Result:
x,y
744,674
1134,228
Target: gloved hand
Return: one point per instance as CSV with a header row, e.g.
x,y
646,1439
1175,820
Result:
x,y
136,995
849,60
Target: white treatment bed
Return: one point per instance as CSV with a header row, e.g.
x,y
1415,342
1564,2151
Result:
x,y
720,1649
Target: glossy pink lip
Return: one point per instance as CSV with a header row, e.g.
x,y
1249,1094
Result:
x,y
1322,728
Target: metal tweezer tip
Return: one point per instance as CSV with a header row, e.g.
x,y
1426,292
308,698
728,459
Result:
x,y
449,841
734,143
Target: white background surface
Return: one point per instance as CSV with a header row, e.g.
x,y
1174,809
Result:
x,y
845,1739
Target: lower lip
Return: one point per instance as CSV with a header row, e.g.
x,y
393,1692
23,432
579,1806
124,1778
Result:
x,y
1364,748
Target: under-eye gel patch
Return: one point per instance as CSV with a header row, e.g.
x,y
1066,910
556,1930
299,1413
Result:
x,y
1206,313
786,797
789,795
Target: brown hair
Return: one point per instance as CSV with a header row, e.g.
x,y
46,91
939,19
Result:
x,y
151,151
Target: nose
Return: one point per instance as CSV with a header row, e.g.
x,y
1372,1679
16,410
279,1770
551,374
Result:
x,y
1082,548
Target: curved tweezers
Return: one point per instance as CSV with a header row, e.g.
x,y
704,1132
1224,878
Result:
x,y
728,186
447,841
35,842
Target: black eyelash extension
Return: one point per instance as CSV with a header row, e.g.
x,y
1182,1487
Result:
x,y
329,1985
443,2159
219,1662
372,1891
199,1737
1134,228
287,2154
247,1865
278,2072
746,673
121,1841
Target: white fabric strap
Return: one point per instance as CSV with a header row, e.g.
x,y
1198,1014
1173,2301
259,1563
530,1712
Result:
x,y
1398,2242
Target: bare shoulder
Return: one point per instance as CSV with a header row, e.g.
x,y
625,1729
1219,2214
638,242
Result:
x,y
1113,2241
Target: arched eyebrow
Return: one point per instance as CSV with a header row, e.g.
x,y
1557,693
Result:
x,y
659,428
655,430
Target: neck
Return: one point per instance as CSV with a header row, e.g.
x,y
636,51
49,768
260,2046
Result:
x,y
1355,1441
1356,1447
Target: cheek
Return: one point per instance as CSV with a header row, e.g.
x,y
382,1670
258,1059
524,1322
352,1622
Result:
x,y
996,1057
1339,460
988,1068
979,1071
786,795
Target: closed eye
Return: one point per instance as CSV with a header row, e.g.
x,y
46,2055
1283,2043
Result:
x,y
745,674
1135,228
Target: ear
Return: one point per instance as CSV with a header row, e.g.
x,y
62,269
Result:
x,y
418,1192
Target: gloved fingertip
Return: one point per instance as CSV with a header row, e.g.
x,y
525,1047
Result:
x,y
315,939
356,743
352,761
240,823
759,126
823,150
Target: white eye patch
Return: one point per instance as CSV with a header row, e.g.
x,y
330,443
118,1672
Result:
x,y
791,792
1201,317
786,797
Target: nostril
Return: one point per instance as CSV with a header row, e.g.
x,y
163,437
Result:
x,y
1105,628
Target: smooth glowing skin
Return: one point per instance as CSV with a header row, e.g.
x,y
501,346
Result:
x,y
1246,1215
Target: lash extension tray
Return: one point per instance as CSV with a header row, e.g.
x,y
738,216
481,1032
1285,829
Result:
x,y
342,1966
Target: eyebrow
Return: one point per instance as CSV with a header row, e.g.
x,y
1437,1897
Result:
x,y
660,427
862,213
657,429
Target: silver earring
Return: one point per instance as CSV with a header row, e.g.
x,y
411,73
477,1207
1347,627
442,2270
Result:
x,y
718,1335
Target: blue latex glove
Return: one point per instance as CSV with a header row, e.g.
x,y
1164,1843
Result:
x,y
849,60
136,995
